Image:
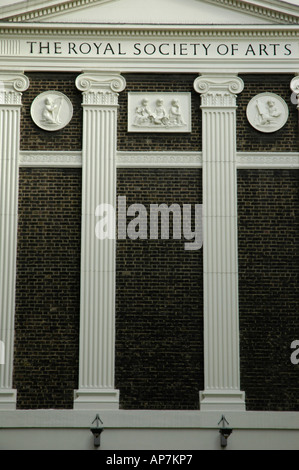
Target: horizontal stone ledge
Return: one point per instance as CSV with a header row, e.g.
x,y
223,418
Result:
x,y
245,160
148,419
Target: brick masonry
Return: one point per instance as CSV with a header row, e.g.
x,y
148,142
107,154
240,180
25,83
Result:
x,y
48,288
250,139
159,311
68,138
159,315
268,282
153,142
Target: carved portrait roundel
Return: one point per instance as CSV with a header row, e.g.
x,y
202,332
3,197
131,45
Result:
x,y
51,110
267,112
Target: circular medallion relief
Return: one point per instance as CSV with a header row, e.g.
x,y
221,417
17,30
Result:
x,y
51,110
267,112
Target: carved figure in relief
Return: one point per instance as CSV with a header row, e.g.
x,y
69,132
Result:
x,y
268,112
160,116
51,111
143,113
145,117
175,117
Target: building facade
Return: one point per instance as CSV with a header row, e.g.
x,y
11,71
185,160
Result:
x,y
149,224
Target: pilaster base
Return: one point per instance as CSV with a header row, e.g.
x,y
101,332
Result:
x,y
8,399
96,399
222,400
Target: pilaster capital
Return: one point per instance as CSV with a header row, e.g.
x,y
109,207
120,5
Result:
x,y
218,90
100,88
12,84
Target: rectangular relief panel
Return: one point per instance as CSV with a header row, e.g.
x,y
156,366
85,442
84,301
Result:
x,y
159,112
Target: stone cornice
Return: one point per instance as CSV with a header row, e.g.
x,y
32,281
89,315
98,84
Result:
x,y
268,10
50,10
262,11
15,51
147,31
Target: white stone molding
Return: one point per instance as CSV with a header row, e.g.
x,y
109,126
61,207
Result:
x,y
258,160
97,320
221,316
102,30
11,87
159,159
140,420
9,47
50,159
271,160
53,8
295,88
286,14
260,10
18,37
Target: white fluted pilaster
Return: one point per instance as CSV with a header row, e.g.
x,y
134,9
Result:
x,y
97,329
11,87
221,315
295,89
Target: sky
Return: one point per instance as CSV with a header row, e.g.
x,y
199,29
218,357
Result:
x,y
10,2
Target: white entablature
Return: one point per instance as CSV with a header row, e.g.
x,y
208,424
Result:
x,y
187,12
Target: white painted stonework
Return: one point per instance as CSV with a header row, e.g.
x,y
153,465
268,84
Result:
x,y
97,328
197,35
2,353
155,12
51,110
100,41
159,112
221,315
11,87
36,159
180,49
267,112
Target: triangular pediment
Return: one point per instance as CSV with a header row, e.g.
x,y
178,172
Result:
x,y
183,12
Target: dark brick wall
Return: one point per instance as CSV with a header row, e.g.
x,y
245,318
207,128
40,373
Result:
x,y
159,347
156,83
159,311
68,138
250,139
268,279
48,288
